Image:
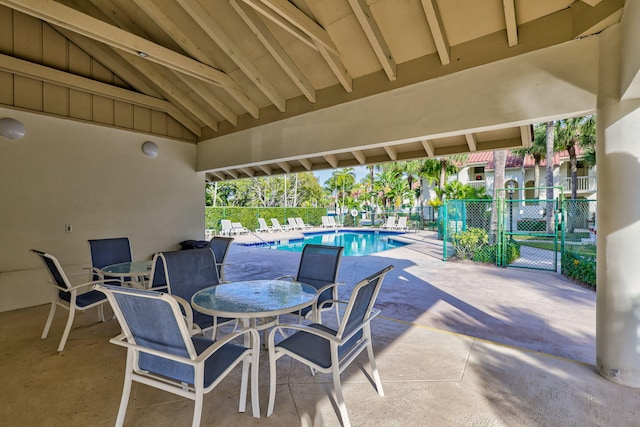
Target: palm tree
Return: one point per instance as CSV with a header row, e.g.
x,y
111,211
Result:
x,y
342,181
499,163
569,133
549,181
537,150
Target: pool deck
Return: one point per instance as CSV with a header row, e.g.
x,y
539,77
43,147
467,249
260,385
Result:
x,y
457,344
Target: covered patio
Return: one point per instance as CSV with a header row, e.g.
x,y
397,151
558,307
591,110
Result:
x,y
247,88
456,344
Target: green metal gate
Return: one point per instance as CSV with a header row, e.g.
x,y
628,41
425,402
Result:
x,y
512,232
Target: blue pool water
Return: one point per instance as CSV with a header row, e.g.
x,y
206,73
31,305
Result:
x,y
355,243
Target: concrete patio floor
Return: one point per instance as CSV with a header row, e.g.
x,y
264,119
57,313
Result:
x,y
457,344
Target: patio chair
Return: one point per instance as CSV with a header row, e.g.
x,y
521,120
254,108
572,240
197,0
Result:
x,y
326,222
67,296
107,252
332,221
220,247
186,273
263,227
293,225
401,224
319,265
275,225
390,224
225,227
238,228
161,352
301,224
327,350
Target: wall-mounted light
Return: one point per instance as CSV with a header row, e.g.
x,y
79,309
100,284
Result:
x,y
150,149
11,128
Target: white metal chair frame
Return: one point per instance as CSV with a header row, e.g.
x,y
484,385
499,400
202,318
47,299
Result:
x,y
401,224
277,227
338,363
390,224
293,225
194,391
263,227
71,306
301,224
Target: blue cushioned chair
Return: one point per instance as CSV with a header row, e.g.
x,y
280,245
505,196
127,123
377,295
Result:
x,y
187,272
161,352
220,247
107,252
67,296
327,350
319,265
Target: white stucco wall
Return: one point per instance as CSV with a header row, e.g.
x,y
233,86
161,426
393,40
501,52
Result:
x,y
98,180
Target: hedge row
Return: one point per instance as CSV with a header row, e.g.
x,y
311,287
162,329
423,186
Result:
x,y
248,217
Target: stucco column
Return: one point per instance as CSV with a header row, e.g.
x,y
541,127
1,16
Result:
x,y
618,233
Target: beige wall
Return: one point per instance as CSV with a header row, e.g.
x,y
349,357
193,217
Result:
x,y
98,180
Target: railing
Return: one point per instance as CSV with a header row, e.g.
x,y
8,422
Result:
x,y
478,184
584,183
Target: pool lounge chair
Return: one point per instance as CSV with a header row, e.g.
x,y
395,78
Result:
x,y
390,224
326,223
263,227
277,227
334,224
293,225
238,228
302,225
402,224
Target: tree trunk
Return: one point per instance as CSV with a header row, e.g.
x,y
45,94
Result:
x,y
573,162
499,162
549,180
215,193
443,173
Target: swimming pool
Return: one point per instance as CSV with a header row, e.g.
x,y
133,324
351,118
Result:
x,y
355,243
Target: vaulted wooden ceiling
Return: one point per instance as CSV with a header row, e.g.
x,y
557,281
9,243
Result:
x,y
215,67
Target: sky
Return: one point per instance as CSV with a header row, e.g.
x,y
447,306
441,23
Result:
x,y
323,175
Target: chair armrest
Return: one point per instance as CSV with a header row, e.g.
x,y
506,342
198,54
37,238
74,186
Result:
x,y
305,328
187,310
329,286
255,340
83,285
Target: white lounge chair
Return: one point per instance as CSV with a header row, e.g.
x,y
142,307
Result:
x,y
293,225
225,227
334,224
263,227
277,227
402,224
390,224
326,223
301,224
238,228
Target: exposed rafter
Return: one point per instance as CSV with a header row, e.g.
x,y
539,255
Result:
x,y
266,169
332,160
526,134
286,167
437,30
428,148
233,173
374,35
391,152
274,48
510,21
66,17
200,15
306,163
249,171
360,157
472,142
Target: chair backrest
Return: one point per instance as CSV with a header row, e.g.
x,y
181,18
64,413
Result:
x,y
58,277
158,278
361,303
153,320
109,251
319,266
225,226
391,221
293,223
300,222
325,221
262,223
402,221
276,224
220,247
189,271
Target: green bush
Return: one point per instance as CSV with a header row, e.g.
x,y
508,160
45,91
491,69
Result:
x,y
467,243
248,216
489,253
579,267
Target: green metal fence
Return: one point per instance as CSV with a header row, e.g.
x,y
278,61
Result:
x,y
512,232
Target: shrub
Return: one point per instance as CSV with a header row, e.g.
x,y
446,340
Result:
x,y
467,243
489,253
579,267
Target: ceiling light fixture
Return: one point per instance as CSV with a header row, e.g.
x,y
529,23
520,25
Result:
x,y
11,128
150,149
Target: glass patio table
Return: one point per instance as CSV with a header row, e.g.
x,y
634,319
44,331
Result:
x,y
139,271
253,300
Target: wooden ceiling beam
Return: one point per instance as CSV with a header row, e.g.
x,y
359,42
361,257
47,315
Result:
x,y
437,30
526,135
285,166
391,152
266,169
332,160
510,21
249,171
296,17
374,35
337,67
234,174
200,15
72,81
428,147
360,156
95,29
472,142
275,49
306,163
